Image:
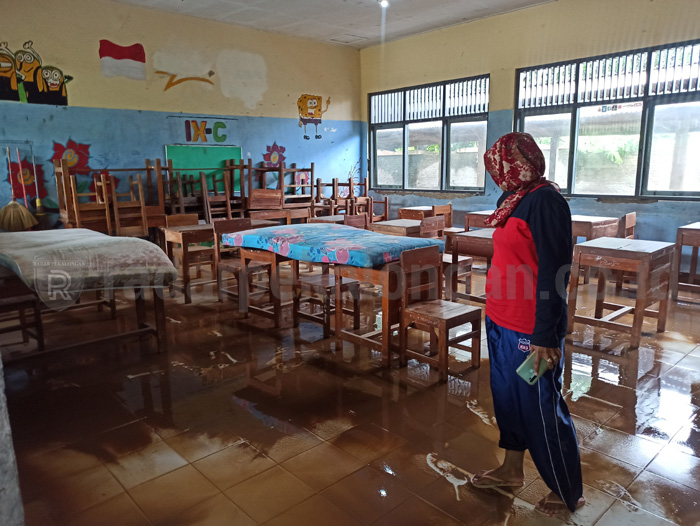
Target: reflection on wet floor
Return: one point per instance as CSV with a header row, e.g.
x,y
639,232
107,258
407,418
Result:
x,y
240,423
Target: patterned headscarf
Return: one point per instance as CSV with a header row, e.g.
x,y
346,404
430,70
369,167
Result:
x,y
516,164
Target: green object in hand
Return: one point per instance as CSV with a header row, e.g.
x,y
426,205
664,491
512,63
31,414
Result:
x,y
527,372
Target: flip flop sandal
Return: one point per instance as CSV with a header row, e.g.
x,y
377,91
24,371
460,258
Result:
x,y
494,481
559,504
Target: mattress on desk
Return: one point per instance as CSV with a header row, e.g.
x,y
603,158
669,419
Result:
x,y
84,260
329,243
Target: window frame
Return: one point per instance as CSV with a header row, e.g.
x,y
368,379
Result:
x,y
649,104
446,121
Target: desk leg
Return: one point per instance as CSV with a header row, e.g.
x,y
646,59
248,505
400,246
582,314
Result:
x,y
244,287
296,293
159,310
573,292
275,293
600,293
386,320
186,272
693,273
338,311
676,268
640,304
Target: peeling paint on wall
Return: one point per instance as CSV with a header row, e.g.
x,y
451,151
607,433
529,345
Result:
x,y
243,76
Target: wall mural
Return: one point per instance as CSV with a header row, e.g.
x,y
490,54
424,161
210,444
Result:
x,y
23,77
32,186
174,80
310,112
274,156
122,61
353,174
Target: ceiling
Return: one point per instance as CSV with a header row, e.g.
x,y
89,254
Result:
x,y
355,23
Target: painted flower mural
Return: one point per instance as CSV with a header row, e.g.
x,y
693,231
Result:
x,y
75,153
27,179
274,156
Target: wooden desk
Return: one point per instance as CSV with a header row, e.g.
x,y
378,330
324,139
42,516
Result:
x,y
416,212
688,235
337,219
593,227
193,234
398,227
475,243
650,260
476,219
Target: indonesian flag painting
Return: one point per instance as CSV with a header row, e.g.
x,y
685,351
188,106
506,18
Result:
x,y
122,61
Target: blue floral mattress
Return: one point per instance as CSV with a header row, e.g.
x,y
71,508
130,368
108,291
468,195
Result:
x,y
329,243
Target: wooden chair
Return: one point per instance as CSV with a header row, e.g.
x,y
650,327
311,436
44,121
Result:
x,y
241,171
217,201
264,198
625,230
434,227
446,211
324,204
197,255
16,297
358,221
93,213
129,208
384,204
296,194
422,309
232,264
323,285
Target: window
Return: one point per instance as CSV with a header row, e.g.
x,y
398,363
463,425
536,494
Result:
x,y
430,137
622,124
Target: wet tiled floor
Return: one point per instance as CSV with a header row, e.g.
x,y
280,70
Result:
x,y
243,424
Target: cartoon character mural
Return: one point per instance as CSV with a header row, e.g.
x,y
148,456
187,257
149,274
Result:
x,y
23,78
8,74
310,111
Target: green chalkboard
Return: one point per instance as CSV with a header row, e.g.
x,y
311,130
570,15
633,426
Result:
x,y
194,159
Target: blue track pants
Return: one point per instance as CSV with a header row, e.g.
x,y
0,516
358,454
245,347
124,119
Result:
x,y
534,417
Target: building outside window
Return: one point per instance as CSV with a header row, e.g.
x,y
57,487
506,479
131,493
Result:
x,y
625,124
430,137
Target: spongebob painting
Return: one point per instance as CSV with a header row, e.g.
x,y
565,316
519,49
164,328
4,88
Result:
x,y
310,112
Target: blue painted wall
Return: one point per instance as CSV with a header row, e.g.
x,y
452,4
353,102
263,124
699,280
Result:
x,y
656,220
125,138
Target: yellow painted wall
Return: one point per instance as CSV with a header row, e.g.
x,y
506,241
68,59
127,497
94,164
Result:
x,y
66,34
562,30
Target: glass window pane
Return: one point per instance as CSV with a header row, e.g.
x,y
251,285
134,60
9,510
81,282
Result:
x,y
552,133
424,155
467,148
674,165
389,155
608,145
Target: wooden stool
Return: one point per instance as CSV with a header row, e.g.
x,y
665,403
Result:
x,y
649,260
423,309
324,285
688,235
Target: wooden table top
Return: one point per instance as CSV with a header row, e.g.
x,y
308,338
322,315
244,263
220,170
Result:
x,y
632,248
401,223
338,219
691,226
594,219
484,233
419,208
255,223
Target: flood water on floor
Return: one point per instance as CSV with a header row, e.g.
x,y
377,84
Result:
x,y
240,423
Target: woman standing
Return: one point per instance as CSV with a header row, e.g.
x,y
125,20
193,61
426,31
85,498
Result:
x,y
526,314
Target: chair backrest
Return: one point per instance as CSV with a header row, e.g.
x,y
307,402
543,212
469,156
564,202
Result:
x,y
181,220
227,226
627,224
218,200
384,203
421,275
129,207
444,210
433,227
358,221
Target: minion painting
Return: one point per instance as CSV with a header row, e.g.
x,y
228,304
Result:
x,y
8,74
55,82
28,64
310,112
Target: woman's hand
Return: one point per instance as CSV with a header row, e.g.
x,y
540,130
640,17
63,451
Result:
x,y
551,354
